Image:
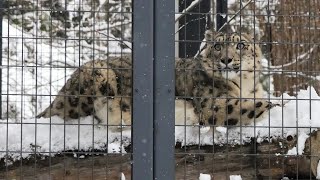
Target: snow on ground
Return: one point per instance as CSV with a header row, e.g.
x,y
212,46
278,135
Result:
x,y
318,170
298,150
297,117
33,67
204,177
20,75
123,177
41,136
299,112
235,177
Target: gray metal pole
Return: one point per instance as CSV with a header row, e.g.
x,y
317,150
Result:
x,y
1,14
142,127
164,94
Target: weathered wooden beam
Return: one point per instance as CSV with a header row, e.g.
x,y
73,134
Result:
x,y
252,161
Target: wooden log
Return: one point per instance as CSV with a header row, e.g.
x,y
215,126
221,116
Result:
x,y
252,161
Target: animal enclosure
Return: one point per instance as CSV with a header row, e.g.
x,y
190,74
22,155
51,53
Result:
x,y
184,89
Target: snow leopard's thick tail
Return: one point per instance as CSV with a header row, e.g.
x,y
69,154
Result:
x,y
46,113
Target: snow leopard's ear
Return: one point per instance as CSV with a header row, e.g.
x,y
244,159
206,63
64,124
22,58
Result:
x,y
209,35
206,44
253,39
255,36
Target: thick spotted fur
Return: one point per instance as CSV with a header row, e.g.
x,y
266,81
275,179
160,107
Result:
x,y
220,92
237,64
101,88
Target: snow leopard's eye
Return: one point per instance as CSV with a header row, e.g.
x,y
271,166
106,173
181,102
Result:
x,y
217,47
240,45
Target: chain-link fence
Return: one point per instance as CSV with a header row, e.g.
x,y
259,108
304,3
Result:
x,y
184,89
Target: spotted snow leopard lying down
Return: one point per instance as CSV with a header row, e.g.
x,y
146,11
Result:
x,y
222,86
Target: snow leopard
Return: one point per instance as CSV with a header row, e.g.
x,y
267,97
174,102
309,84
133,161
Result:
x,y
101,88
221,86
239,100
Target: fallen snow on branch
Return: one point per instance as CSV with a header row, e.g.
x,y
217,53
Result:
x,y
192,5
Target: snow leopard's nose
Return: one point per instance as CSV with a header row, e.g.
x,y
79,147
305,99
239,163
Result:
x,y
226,61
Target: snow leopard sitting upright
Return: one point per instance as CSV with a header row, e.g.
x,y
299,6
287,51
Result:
x,y
237,62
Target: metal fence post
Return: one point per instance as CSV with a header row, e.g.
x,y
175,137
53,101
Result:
x,y
164,90
1,14
142,123
153,90
222,10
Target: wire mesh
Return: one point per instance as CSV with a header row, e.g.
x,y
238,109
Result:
x,y
48,45
47,49
282,144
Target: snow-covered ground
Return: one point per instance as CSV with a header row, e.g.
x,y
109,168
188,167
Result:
x,y
298,117
34,67
235,177
318,171
204,177
42,136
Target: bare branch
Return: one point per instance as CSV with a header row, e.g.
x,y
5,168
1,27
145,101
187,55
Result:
x,y
188,23
183,13
291,74
302,58
235,15
124,42
101,27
